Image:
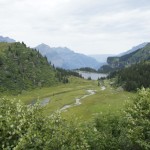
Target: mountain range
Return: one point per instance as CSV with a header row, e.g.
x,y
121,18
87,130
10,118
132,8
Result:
x,y
6,39
134,49
130,57
65,58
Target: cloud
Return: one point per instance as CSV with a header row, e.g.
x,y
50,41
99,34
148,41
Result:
x,y
86,26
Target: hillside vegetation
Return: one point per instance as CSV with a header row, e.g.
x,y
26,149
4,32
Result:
x,y
23,68
115,63
131,58
87,69
80,115
133,77
25,127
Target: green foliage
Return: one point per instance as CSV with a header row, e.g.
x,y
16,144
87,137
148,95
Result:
x,y
25,127
104,133
88,69
116,63
63,74
134,57
133,77
106,69
16,120
137,121
131,130
23,68
89,78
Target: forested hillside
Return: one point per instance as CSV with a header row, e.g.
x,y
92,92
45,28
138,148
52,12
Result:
x,y
23,68
131,58
87,69
133,77
115,63
135,48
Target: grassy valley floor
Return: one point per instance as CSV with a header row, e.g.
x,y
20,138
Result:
x,y
105,100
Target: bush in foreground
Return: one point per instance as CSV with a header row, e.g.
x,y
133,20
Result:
x,y
25,127
137,121
128,131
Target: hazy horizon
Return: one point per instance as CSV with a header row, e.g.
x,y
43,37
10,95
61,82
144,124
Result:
x,y
84,26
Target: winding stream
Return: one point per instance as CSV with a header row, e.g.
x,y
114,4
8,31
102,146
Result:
x,y
77,101
43,103
103,88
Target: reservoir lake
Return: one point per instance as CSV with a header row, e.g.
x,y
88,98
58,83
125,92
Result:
x,y
93,75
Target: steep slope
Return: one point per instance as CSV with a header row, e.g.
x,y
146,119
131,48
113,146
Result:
x,y
134,49
131,58
23,68
133,77
127,60
6,39
66,58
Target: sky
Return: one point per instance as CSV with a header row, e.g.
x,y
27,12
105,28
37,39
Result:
x,y
85,26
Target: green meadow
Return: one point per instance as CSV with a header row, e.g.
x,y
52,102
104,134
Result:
x,y
109,100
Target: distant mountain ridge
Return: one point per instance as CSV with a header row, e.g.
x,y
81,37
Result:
x,y
134,49
131,58
6,39
137,56
65,58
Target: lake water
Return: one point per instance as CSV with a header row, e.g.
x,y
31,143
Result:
x,y
94,76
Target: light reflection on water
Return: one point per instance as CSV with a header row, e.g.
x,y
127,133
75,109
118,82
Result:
x,y
94,76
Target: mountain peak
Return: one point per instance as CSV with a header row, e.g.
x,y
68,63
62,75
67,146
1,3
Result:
x,y
6,39
44,48
43,45
65,58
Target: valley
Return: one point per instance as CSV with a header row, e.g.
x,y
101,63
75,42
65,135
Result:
x,y
105,98
74,75
45,107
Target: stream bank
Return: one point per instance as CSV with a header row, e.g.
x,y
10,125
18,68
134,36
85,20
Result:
x,y
77,101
